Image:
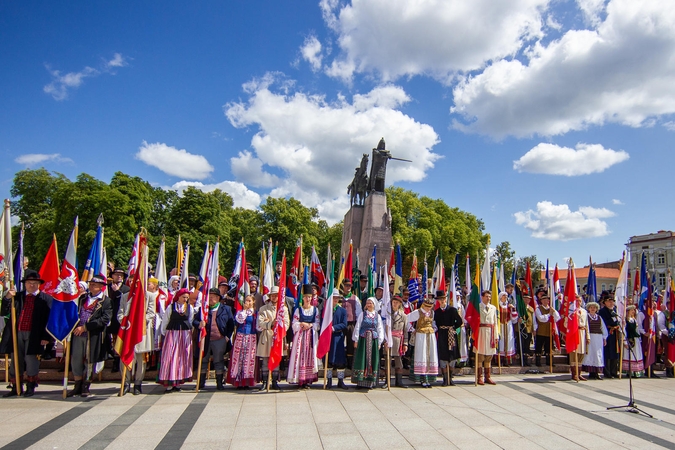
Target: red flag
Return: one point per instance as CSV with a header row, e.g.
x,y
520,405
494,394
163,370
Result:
x,y
296,275
243,286
569,323
349,268
392,265
316,271
132,326
49,271
279,336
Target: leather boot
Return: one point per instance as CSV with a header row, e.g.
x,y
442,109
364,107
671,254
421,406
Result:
x,y
219,382
85,389
445,377
127,388
30,389
264,385
275,382
399,381
77,390
329,383
488,380
341,384
573,371
450,382
537,360
202,382
137,389
480,376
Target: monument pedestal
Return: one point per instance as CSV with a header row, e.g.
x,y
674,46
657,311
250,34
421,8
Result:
x,y
367,226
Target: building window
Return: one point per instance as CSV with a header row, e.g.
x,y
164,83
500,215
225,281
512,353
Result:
x,y
661,258
645,247
604,287
662,280
611,287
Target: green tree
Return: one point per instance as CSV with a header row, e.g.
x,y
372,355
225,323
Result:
x,y
504,254
536,267
284,220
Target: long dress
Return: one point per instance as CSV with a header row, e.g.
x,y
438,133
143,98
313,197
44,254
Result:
x,y
508,317
303,366
635,356
176,363
647,328
369,333
594,361
425,367
242,361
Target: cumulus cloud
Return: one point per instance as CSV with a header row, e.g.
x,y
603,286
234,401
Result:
x,y
311,52
61,84
621,71
592,9
394,38
173,161
249,169
559,223
241,195
552,159
33,159
316,144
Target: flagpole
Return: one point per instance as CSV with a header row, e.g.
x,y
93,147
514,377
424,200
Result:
x,y
15,360
65,370
550,336
6,369
325,371
124,379
269,374
499,356
199,367
388,367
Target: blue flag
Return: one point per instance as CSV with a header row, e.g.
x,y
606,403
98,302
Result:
x,y
591,285
18,263
644,283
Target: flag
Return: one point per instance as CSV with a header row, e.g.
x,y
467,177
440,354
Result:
x,y
485,273
133,326
184,268
521,307
49,270
279,336
327,322
556,279
63,316
570,323
439,275
341,273
349,267
385,313
528,282
18,262
293,285
372,272
413,284
591,284
214,267
203,286
495,298
621,292
467,274
317,274
103,267
179,255
263,267
95,253
133,262
243,286
398,273
670,292
160,271
268,278
644,283
500,276
6,269
425,281
472,314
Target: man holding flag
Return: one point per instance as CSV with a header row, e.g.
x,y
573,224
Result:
x,y
32,313
265,325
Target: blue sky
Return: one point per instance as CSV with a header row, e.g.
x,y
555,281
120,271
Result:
x,y
552,121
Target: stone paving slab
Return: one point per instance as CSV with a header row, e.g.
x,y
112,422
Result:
x,y
522,412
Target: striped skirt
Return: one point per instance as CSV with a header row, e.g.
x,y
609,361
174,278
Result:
x,y
302,366
366,362
242,361
176,364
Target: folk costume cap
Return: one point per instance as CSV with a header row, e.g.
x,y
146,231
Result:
x,y
32,275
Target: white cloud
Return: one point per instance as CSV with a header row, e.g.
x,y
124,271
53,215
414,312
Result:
x,y
559,223
316,144
592,9
33,159
394,38
311,52
173,161
552,159
616,201
241,195
61,84
249,169
670,126
622,71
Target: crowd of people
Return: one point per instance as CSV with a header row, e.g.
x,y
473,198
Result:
x,y
429,339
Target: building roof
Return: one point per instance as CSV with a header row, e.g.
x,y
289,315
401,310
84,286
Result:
x,y
658,236
582,272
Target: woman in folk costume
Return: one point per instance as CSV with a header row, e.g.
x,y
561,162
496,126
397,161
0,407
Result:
x,y
632,346
576,357
173,285
508,317
176,364
594,361
303,367
425,366
367,337
399,341
243,362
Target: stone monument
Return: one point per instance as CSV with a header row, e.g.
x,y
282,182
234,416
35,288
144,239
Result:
x,y
368,221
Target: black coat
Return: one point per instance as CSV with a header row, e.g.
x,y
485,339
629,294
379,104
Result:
x,y
610,320
115,299
43,304
224,322
447,318
96,326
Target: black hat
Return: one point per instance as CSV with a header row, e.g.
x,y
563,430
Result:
x,y
215,291
192,276
32,275
363,278
120,271
440,294
98,279
347,280
307,289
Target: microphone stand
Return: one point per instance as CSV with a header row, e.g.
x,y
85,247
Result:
x,y
631,407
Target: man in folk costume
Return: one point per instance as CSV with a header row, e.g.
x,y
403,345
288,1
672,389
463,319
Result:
x,y
447,321
425,366
593,362
259,300
337,356
399,337
408,307
352,305
86,346
611,351
32,313
577,356
143,349
526,324
648,332
265,325
116,289
486,345
544,328
662,331
219,326
363,289
508,317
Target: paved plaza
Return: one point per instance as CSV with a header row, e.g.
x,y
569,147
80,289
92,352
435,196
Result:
x,y
521,412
